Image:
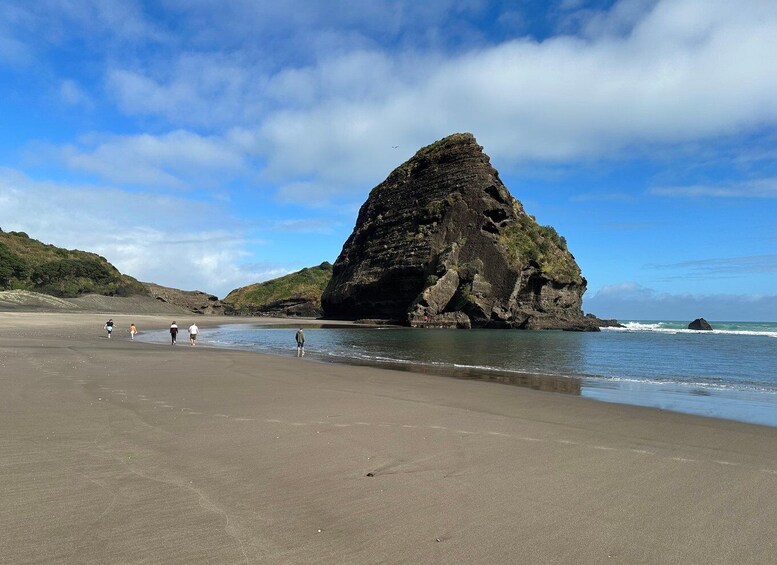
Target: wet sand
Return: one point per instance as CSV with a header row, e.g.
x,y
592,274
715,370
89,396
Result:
x,y
113,451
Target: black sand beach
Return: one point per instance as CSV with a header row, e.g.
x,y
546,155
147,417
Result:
x,y
123,452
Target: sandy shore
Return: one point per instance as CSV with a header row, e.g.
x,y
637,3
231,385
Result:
x,y
114,451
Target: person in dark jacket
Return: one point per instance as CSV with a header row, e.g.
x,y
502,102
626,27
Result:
x,y
300,337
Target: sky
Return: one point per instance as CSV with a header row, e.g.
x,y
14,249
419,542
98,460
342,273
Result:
x,y
204,144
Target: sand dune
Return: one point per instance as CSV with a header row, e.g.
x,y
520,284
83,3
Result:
x,y
27,301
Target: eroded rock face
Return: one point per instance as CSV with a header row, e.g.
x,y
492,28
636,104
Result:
x,y
441,242
290,308
195,301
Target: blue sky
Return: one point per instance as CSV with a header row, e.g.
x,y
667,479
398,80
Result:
x,y
208,145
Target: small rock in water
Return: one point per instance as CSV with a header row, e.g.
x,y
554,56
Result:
x,y
370,474
700,324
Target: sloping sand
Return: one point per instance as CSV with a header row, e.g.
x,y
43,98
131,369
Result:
x,y
114,451
27,301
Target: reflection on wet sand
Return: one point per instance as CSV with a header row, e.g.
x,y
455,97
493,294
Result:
x,y
431,345
546,383
449,340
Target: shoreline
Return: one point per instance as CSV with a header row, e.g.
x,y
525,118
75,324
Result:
x,y
566,384
124,452
732,404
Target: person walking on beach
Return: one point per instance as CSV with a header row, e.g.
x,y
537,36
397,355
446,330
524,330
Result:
x,y
193,331
300,337
133,330
173,332
109,327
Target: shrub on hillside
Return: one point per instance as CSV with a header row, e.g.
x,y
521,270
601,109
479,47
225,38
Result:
x,y
12,267
71,277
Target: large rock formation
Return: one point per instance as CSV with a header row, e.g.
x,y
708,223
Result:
x,y
441,242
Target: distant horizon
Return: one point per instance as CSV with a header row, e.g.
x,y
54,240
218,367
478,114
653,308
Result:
x,y
711,321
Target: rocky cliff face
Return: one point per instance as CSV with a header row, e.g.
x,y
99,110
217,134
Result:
x,y
441,242
194,301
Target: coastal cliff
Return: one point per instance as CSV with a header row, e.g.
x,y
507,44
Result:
x,y
442,243
292,295
194,301
27,264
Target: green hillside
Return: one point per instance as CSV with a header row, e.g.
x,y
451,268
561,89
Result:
x,y
282,295
28,264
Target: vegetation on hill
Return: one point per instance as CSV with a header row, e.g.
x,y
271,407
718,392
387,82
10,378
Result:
x,y
526,240
28,264
305,286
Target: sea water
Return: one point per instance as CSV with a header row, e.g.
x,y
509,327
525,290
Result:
x,y
730,372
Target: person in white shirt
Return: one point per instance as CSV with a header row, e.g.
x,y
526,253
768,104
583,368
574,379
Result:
x,y
193,331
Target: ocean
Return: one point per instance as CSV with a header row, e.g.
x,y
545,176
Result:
x,y
730,372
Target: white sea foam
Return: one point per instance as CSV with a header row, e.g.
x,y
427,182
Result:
x,y
641,327
745,332
655,327
664,327
684,385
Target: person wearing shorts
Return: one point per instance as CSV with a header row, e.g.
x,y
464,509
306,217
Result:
x,y
193,331
133,330
109,327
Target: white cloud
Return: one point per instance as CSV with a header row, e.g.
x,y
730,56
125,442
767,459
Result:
x,y
567,5
302,29
311,194
619,20
104,21
720,266
356,76
170,241
757,188
27,29
604,197
686,71
200,89
308,225
13,50
178,159
73,95
640,75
